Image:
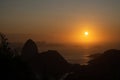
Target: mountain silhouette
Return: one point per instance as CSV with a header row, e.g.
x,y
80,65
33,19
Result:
x,y
49,63
103,67
29,50
106,66
54,63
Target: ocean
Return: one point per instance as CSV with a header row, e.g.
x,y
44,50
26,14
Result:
x,y
76,54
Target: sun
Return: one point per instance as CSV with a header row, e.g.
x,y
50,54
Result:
x,y
86,33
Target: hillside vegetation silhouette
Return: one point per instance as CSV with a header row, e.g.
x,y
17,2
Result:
x,y
50,65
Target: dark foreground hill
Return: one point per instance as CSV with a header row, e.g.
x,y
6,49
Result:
x,y
103,67
49,63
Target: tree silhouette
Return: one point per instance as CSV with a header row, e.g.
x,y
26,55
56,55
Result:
x,y
11,66
4,46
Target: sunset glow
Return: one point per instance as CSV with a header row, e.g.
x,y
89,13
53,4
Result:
x,y
86,33
60,39
52,22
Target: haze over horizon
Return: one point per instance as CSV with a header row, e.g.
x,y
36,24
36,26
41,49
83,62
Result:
x,y
61,21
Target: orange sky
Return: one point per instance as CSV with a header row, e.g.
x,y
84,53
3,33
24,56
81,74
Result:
x,y
63,21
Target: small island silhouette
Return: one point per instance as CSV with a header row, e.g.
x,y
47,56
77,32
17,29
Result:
x,y
50,65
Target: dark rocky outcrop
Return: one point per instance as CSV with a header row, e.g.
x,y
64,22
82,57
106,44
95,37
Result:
x,y
106,66
103,67
49,63
54,63
29,50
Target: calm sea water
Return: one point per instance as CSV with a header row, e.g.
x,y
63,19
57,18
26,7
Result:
x,y
78,54
72,53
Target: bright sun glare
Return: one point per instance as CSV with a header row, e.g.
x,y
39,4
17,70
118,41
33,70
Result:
x,y
86,33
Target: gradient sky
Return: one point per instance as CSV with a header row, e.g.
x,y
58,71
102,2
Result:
x,y
61,20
